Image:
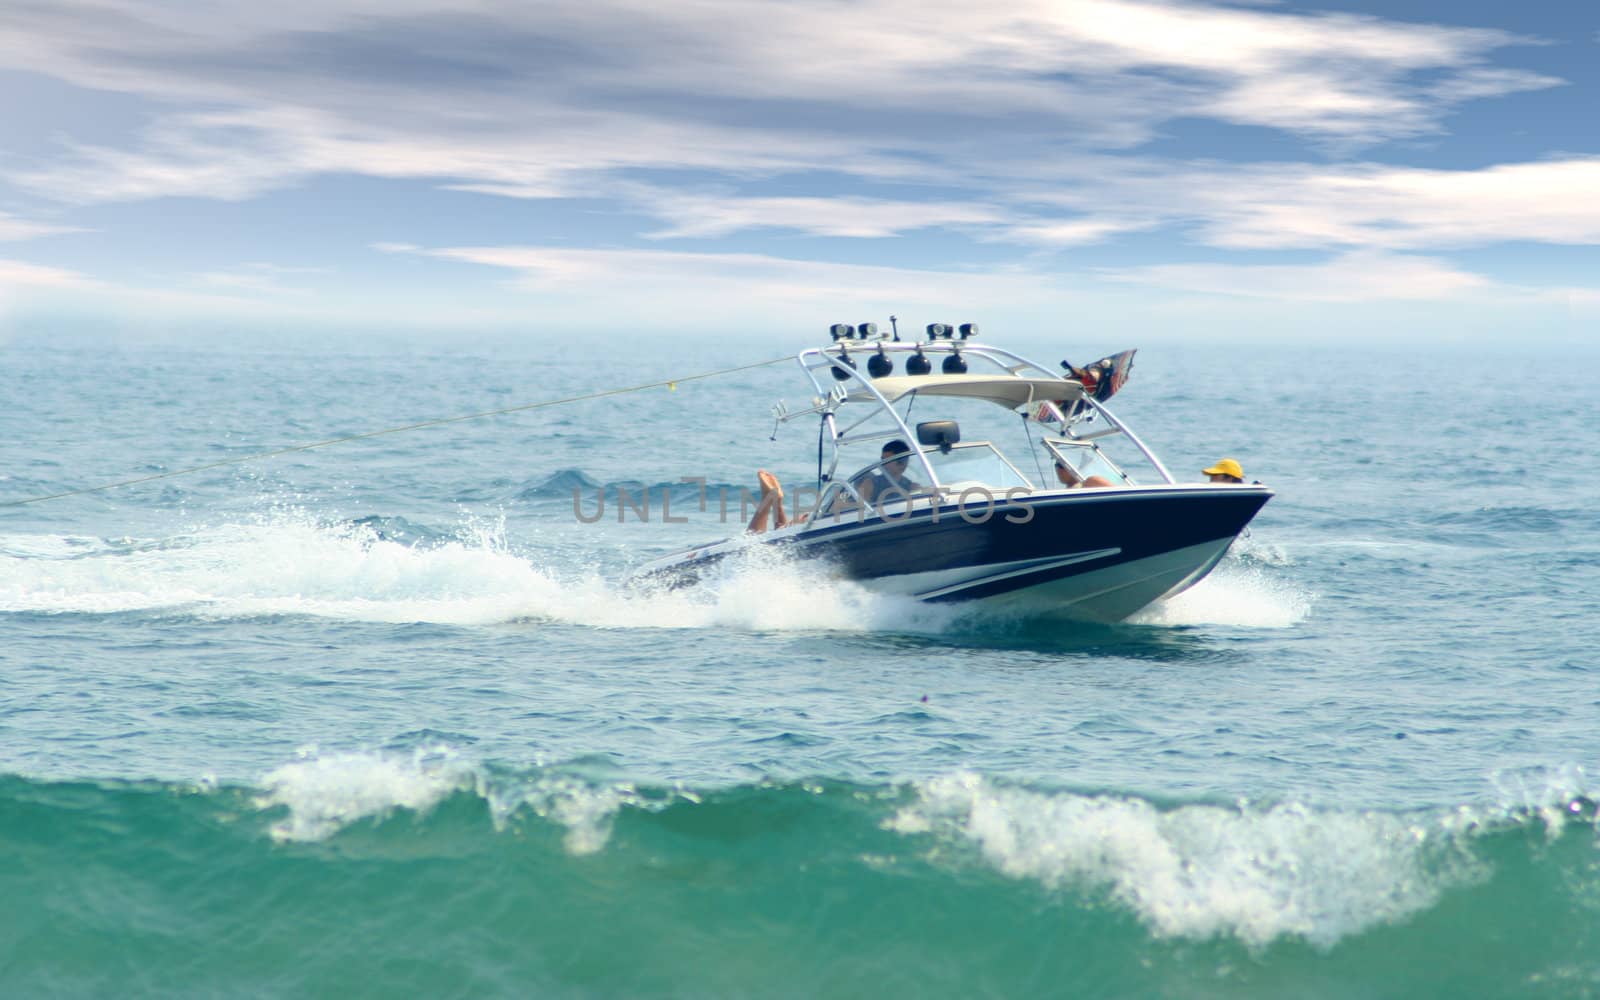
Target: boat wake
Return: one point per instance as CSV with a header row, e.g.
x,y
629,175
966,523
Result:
x,y
284,565
368,570
292,565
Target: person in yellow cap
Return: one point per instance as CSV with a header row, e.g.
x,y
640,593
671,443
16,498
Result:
x,y
1226,471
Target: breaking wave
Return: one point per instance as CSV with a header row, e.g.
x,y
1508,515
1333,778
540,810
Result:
x,y
542,878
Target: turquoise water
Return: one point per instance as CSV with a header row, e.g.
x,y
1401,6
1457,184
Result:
x,y
378,719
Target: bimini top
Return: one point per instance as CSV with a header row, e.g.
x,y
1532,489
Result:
x,y
1010,391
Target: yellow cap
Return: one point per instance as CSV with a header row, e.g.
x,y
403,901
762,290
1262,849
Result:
x,y
1226,467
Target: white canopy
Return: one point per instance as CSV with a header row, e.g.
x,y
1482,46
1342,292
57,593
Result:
x,y
1010,391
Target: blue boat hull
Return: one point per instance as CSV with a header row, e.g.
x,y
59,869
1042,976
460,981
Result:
x,y
1100,554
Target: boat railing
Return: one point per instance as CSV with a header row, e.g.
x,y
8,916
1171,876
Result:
x,y
844,354
831,367
1126,431
815,358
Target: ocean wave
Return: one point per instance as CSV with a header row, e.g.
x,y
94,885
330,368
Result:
x,y
320,795
1258,873
1501,521
1254,872
424,871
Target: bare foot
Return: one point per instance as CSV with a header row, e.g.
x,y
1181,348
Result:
x,y
769,483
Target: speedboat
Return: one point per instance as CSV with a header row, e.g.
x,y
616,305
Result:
x,y
1099,531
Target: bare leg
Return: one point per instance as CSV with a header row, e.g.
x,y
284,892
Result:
x,y
771,504
769,484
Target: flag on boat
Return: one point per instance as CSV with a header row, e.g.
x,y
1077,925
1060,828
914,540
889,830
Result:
x,y
1101,380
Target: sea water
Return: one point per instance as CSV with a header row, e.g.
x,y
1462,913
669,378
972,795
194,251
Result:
x,y
379,718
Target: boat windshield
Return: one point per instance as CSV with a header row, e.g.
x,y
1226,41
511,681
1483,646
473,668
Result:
x,y
975,463
968,465
1086,459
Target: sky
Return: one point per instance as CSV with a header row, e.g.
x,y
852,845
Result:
x,y
1337,172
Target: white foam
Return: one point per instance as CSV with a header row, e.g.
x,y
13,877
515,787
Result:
x,y
285,566
49,546
325,794
1202,871
765,590
1244,591
585,810
1550,793
290,565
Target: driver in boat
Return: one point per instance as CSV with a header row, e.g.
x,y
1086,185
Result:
x,y
888,476
1069,478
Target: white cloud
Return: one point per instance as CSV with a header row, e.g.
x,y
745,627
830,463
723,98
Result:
x,y
1409,208
540,101
867,119
20,278
259,277
13,229
698,215
242,154
1358,297
1072,232
1357,277
17,274
1363,206
693,280
664,279
1473,84
1230,206
658,292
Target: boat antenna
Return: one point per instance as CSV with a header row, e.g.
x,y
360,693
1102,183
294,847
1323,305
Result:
x,y
894,324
